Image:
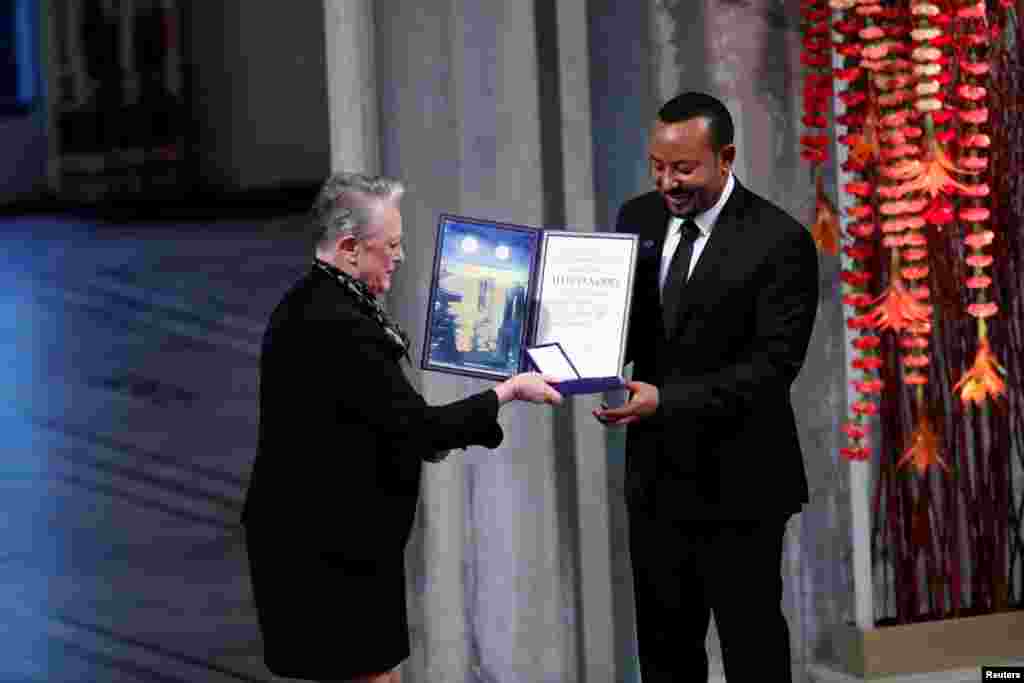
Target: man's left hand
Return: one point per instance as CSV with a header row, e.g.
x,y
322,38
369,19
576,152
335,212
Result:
x,y
643,401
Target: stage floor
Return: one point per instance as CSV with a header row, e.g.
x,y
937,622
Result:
x,y
128,414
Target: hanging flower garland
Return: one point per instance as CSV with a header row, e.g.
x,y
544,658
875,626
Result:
x,y
861,141
816,59
914,80
896,72
983,380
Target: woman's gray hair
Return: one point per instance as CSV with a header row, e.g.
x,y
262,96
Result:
x,y
343,206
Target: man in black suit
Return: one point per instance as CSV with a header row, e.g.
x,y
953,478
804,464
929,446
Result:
x,y
725,298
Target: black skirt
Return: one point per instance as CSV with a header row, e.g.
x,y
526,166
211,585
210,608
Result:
x,y
328,617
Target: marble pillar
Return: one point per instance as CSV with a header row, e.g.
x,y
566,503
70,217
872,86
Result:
x,y
494,562
351,85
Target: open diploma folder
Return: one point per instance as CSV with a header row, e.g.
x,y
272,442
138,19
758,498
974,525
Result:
x,y
498,290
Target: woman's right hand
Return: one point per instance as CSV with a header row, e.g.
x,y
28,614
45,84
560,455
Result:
x,y
528,386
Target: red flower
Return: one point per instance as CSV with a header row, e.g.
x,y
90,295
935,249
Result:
x,y
867,363
979,260
914,272
864,408
870,386
854,430
814,156
860,322
975,68
859,252
867,342
914,343
976,116
976,140
848,75
850,119
975,11
978,282
986,310
857,299
858,187
916,361
812,59
974,214
851,98
864,229
856,277
971,92
860,211
859,454
977,240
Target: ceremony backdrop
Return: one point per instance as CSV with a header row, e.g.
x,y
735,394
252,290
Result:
x,y
537,114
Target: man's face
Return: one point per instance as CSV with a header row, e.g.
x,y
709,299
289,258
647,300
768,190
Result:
x,y
686,170
379,255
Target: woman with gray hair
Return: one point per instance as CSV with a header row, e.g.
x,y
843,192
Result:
x,y
342,436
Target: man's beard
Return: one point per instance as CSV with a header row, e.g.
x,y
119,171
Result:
x,y
689,207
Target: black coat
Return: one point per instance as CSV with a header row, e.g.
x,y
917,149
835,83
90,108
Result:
x,y
723,444
335,485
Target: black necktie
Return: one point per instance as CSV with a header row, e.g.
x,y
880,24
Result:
x,y
677,272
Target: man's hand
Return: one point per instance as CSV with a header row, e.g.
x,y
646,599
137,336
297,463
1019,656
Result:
x,y
528,386
643,401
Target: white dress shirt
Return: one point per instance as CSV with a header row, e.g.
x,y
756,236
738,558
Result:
x,y
705,222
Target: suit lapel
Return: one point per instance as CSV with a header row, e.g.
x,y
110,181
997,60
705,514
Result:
x,y
708,272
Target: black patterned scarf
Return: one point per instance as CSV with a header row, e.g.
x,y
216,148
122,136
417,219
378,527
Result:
x,y
368,304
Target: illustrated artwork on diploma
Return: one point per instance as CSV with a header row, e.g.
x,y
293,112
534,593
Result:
x,y
479,304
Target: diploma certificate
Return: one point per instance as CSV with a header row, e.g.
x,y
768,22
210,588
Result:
x,y
498,289
583,297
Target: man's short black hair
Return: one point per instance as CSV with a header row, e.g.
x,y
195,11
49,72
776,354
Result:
x,y
690,105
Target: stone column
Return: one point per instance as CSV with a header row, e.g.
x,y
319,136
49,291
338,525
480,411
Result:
x,y
493,592
351,85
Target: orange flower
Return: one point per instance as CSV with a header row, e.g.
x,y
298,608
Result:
x,y
924,448
983,379
935,175
898,310
865,148
825,230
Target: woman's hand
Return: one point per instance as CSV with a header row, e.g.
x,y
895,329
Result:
x,y
528,386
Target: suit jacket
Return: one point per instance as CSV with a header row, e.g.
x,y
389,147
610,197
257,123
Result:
x,y
723,443
335,484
